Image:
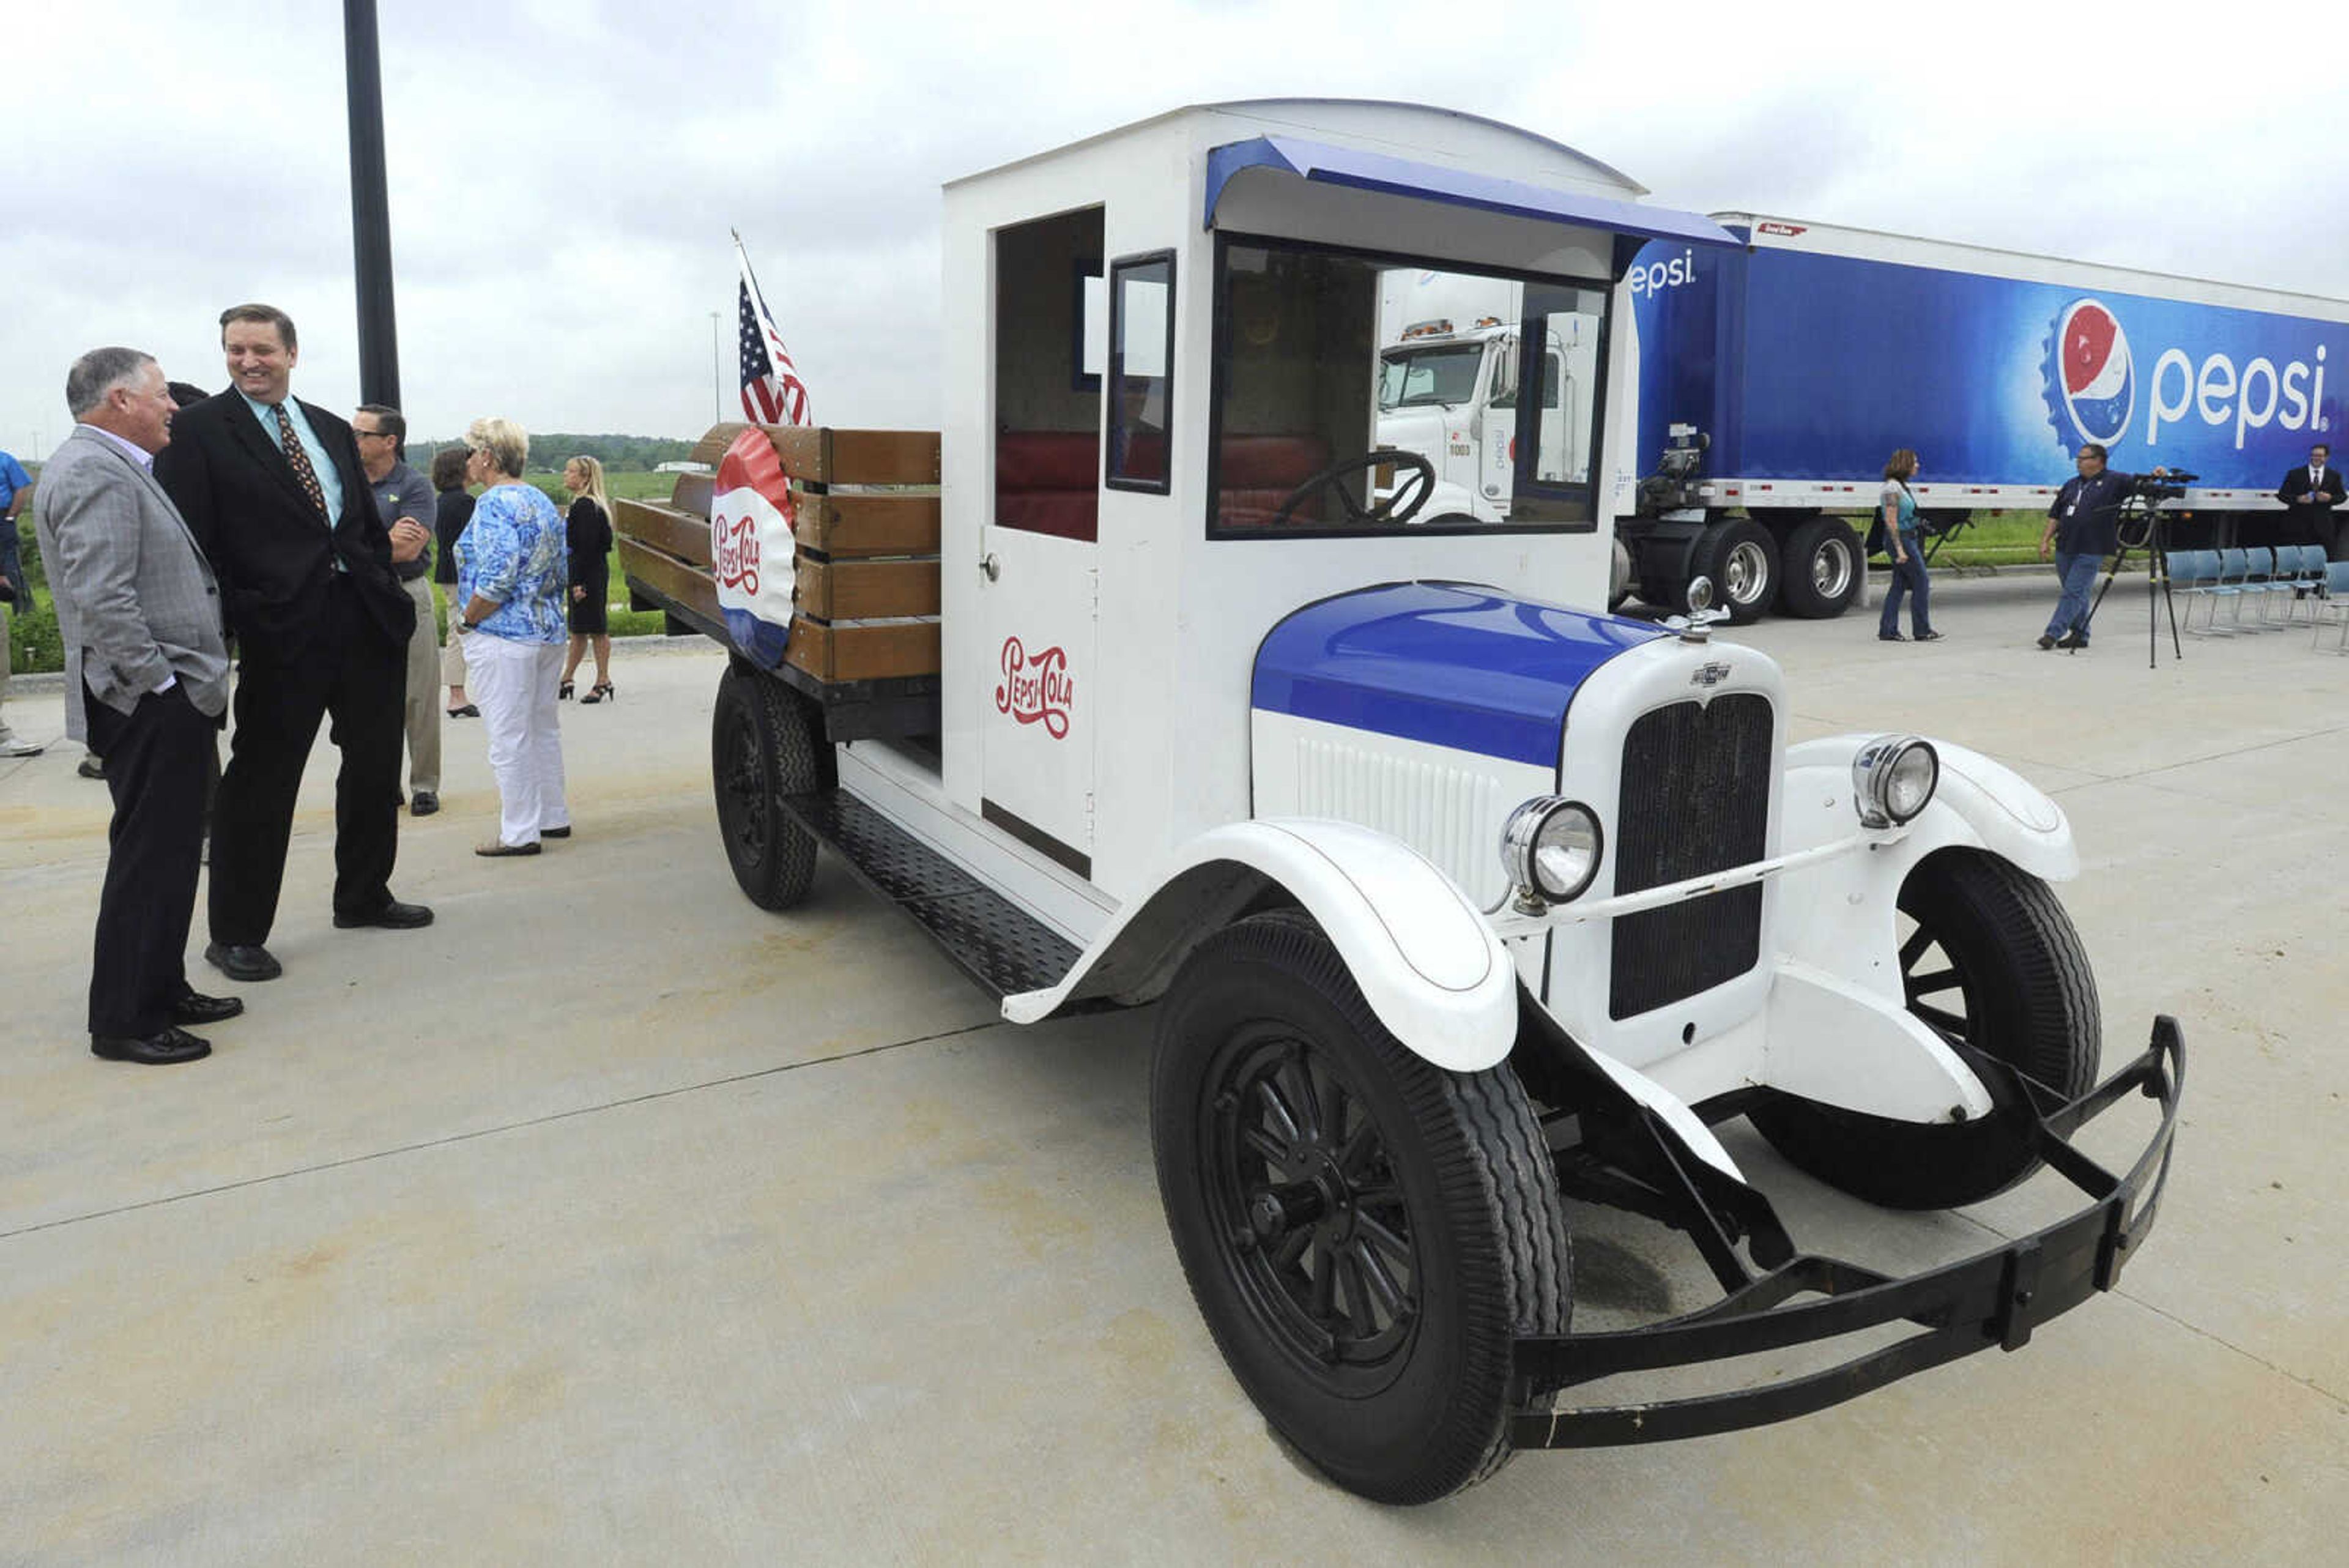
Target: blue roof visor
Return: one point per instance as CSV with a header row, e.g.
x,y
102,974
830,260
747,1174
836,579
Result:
x,y
1434,182
1446,663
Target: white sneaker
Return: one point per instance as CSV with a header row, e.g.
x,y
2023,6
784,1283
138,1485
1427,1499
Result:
x,y
10,746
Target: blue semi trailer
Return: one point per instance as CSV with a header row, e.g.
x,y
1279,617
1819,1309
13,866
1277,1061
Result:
x,y
1774,381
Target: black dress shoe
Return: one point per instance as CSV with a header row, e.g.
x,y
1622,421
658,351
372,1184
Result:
x,y
562,831
394,915
425,804
197,1008
2045,643
249,962
171,1045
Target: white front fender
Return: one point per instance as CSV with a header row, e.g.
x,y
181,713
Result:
x,y
1981,804
1427,961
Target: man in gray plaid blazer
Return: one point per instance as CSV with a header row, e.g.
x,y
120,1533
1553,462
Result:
x,y
146,684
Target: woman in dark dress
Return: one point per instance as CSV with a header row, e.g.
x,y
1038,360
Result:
x,y
452,509
589,524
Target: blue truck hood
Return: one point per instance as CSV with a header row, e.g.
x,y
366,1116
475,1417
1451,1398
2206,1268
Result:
x,y
1446,663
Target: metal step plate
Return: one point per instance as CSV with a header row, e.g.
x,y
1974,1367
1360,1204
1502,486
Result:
x,y
1000,946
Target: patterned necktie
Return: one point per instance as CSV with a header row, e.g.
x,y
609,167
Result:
x,y
301,461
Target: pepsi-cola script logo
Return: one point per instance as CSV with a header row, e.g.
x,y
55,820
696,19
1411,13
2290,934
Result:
x,y
1036,691
2099,383
734,542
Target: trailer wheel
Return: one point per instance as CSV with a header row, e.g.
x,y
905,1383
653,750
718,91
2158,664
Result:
x,y
762,744
1990,958
1820,569
1365,1234
1742,559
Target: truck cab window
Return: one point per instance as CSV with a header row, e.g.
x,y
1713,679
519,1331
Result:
x,y
1141,372
1359,394
1047,408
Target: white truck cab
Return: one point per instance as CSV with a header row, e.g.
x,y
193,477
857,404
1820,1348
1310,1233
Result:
x,y
1457,895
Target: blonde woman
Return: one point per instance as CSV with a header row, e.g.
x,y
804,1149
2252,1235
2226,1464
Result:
x,y
510,583
589,530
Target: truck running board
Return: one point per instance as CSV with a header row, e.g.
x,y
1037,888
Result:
x,y
1002,947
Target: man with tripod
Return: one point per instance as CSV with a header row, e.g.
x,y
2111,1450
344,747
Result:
x,y
2081,529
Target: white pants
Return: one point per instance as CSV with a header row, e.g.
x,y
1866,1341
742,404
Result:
x,y
514,684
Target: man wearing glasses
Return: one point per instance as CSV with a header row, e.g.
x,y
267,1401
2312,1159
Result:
x,y
404,501
2083,529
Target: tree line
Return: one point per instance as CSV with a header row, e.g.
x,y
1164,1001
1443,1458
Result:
x,y
550,449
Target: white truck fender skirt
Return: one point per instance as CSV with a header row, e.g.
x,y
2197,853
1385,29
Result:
x,y
1980,804
1427,961
1845,1044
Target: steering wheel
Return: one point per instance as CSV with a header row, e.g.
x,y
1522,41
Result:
x,y
1401,506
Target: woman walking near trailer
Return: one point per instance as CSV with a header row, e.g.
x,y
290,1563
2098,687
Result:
x,y
1897,516
589,530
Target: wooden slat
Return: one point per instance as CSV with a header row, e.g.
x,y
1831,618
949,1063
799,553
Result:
x,y
857,457
678,580
692,493
821,455
868,650
867,590
665,528
857,525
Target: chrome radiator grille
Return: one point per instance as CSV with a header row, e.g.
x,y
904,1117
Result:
x,y
1696,798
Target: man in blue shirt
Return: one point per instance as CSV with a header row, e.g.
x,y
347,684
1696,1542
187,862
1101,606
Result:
x,y
2083,528
15,593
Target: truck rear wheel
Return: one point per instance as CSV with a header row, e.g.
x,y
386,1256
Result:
x,y
1991,959
1619,577
1742,559
1820,569
1365,1234
763,745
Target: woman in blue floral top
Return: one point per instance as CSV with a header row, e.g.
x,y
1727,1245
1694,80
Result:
x,y
511,562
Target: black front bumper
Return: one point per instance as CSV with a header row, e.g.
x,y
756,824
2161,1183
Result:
x,y
1994,1298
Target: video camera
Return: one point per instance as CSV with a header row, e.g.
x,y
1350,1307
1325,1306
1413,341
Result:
x,y
2154,488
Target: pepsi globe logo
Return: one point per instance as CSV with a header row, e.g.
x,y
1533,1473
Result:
x,y
2096,381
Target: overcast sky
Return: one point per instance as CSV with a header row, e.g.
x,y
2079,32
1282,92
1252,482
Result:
x,y
563,175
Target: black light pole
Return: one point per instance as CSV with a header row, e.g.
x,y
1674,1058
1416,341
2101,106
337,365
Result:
x,y
370,209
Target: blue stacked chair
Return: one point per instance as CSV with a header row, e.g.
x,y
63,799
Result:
x,y
2334,605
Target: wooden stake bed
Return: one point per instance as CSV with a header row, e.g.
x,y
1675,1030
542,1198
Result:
x,y
865,641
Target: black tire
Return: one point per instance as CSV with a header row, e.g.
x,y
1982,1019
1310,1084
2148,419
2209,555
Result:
x,y
1821,569
1619,576
1742,559
1996,936
762,744
1297,1142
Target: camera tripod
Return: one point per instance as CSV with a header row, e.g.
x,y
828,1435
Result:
x,y
2139,527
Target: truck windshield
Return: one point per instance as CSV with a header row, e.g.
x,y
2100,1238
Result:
x,y
1326,397
1422,378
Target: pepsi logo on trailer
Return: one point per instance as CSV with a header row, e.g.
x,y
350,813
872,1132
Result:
x,y
2097,380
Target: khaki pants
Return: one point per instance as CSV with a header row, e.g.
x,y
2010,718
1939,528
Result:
x,y
423,692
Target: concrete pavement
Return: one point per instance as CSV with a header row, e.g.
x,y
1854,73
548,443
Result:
x,y
610,1220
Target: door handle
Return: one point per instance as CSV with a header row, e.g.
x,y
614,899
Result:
x,y
989,567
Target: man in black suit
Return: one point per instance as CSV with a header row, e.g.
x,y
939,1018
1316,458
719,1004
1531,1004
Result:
x,y
2310,493
274,489
140,615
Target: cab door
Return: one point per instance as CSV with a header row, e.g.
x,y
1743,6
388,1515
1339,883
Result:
x,y
1040,701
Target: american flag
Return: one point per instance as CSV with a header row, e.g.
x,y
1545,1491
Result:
x,y
772,393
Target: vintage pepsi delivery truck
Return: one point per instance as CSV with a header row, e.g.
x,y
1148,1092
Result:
x,y
1148,679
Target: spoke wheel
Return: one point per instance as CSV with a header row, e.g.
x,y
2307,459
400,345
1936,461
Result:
x,y
1990,961
1366,1235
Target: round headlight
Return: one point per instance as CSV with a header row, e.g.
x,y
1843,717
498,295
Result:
x,y
1551,848
1893,778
